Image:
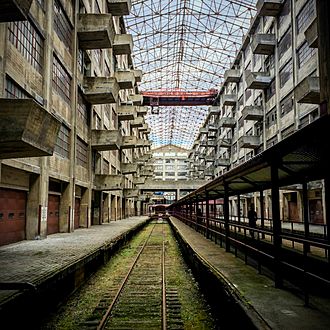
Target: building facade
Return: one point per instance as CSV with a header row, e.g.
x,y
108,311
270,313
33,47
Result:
x,y
271,91
68,86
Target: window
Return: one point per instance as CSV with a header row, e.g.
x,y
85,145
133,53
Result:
x,y
106,166
28,41
271,90
82,109
269,63
286,105
62,25
62,146
304,54
285,11
182,173
169,174
271,118
82,153
271,142
114,119
61,81
305,14
13,91
285,73
285,43
248,94
288,131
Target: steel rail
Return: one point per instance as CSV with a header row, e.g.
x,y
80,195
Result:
x,y
164,313
105,317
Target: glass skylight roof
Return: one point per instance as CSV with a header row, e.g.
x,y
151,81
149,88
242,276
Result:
x,y
185,45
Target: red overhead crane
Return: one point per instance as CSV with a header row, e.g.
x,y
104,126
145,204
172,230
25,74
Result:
x,y
179,97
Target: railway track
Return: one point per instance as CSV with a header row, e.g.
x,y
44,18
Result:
x,y
142,299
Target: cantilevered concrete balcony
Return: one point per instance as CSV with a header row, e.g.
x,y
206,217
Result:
x,y
136,99
137,75
144,128
249,141
106,182
143,159
26,129
224,143
123,44
311,34
14,10
101,90
126,112
125,79
269,7
222,162
253,112
141,143
131,193
232,76
308,90
95,31
203,130
129,142
119,7
147,173
212,128
139,180
103,140
128,168
142,111
137,122
263,44
257,80
228,122
148,168
229,99
211,144
214,110
209,158
209,172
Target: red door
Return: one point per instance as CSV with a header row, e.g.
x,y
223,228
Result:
x,y
76,213
12,215
53,214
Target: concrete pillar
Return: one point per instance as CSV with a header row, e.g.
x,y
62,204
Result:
x,y
226,216
323,13
66,219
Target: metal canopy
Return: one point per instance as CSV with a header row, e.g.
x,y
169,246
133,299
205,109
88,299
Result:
x,y
185,45
302,156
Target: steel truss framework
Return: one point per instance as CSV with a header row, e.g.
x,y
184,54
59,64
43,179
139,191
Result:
x,y
185,45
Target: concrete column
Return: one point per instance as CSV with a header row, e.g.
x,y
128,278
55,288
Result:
x,y
226,216
323,14
66,212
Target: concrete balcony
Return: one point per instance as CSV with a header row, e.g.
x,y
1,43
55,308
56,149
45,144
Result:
x,y
228,122
148,168
224,143
142,111
142,143
95,31
14,10
311,34
104,140
137,122
222,162
144,128
253,112
147,173
136,99
263,44
269,7
308,91
142,159
257,80
131,193
138,75
214,110
106,182
232,76
126,112
211,144
101,90
123,44
128,168
229,99
26,129
249,141
139,180
209,159
212,128
209,172
125,79
129,142
119,7
203,130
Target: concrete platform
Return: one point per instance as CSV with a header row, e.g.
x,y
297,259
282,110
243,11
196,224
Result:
x,y
31,267
267,307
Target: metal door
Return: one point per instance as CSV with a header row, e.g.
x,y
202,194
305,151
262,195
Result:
x,y
12,215
53,214
76,213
